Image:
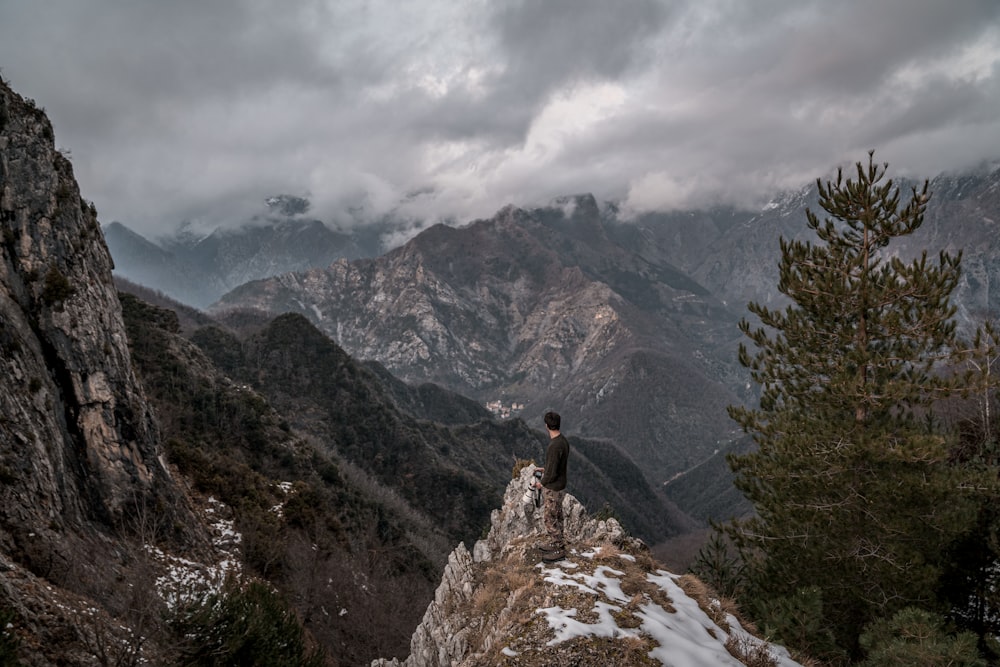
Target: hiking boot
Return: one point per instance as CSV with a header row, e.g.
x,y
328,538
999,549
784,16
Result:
x,y
549,548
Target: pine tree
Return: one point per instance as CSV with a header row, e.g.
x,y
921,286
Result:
x,y
851,483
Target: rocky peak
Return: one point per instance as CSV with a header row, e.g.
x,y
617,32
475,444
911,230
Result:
x,y
288,205
607,603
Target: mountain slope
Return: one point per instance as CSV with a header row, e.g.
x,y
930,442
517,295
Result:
x,y
735,254
119,440
81,461
229,442
452,468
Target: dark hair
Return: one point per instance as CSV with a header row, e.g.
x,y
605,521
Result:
x,y
552,421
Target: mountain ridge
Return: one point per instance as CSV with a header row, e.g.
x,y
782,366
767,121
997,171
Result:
x,y
198,268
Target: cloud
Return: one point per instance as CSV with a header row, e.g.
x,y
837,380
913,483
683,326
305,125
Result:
x,y
442,110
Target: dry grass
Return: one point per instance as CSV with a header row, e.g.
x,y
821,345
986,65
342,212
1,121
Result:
x,y
578,652
717,608
636,585
610,554
495,586
510,591
607,552
519,465
626,618
634,581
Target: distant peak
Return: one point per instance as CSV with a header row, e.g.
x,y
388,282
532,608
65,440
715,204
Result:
x,y
572,204
288,204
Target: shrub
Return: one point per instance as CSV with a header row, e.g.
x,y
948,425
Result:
x,y
519,465
7,476
800,621
718,567
750,652
56,288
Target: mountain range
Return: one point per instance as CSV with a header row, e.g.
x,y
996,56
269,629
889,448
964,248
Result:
x,y
543,310
628,328
197,270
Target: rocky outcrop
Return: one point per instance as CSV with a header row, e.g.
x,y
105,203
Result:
x,y
521,518
607,603
442,638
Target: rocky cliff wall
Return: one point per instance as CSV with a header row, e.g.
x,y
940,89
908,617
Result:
x,y
78,444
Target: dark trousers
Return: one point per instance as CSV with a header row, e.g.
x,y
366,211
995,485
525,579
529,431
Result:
x,y
553,515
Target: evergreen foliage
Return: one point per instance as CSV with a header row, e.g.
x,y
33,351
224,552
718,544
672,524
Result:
x,y
57,287
918,637
800,619
851,481
970,585
716,566
243,625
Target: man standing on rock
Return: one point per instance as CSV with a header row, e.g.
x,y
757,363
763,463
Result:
x,y
554,483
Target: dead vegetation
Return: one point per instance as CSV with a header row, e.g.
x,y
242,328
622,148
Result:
x,y
751,653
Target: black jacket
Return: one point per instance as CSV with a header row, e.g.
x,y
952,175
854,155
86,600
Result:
x,y
554,477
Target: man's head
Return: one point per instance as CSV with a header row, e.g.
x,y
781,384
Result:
x,y
552,421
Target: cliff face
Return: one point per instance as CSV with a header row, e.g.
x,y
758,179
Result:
x,y
78,446
83,442
607,603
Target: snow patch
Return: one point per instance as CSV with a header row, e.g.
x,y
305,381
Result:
x,y
685,637
185,581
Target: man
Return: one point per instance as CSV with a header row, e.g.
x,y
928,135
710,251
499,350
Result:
x,y
554,484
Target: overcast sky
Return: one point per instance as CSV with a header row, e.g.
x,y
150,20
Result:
x,y
197,110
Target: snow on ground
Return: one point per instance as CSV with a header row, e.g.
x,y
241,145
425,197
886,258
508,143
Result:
x,y
184,581
687,636
285,488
